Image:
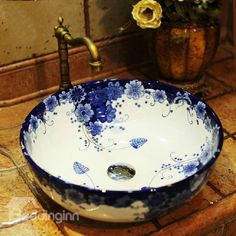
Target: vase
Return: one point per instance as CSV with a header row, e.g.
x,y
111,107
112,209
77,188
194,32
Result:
x,y
183,52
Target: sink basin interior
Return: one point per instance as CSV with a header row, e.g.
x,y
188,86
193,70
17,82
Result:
x,y
135,136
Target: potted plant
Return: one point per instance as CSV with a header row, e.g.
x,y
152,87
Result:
x,y
185,38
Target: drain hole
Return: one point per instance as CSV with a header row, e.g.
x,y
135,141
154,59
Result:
x,y
120,172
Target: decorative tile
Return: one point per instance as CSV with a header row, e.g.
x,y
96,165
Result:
x,y
16,201
216,88
5,163
13,116
225,108
222,54
230,228
33,77
199,223
216,232
16,198
224,72
223,176
108,17
90,228
39,24
41,225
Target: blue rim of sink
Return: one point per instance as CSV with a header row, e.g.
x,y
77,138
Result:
x,y
170,90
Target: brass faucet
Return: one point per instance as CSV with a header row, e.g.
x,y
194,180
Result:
x,y
64,37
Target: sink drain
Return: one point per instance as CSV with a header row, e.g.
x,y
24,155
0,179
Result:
x,y
121,172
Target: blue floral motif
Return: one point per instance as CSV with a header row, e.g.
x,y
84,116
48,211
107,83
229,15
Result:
x,y
207,122
28,141
134,90
74,195
96,200
137,142
33,122
114,90
123,201
84,112
79,168
77,94
106,113
215,133
64,97
95,128
206,155
50,103
190,168
200,109
155,199
179,197
159,96
98,97
111,113
182,98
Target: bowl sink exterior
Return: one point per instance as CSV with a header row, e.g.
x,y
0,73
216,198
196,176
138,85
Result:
x,y
123,205
120,207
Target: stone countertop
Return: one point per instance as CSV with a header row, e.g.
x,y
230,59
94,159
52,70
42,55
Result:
x,y
212,212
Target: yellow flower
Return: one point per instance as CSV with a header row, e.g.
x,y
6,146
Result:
x,y
147,14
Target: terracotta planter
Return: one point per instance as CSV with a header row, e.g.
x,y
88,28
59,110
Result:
x,y
182,53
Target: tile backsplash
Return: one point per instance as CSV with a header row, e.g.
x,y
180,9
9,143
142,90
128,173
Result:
x,y
27,26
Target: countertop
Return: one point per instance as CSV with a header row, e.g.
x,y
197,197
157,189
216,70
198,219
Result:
x,y
212,212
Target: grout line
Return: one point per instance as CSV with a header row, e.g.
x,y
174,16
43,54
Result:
x,y
157,224
228,50
226,131
234,136
230,57
224,230
219,95
220,81
182,217
197,211
216,189
150,233
228,135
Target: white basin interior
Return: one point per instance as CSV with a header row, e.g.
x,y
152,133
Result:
x,y
154,143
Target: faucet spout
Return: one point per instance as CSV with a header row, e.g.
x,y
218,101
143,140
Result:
x,y
64,38
95,61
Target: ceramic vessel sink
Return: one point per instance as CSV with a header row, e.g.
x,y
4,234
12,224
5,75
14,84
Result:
x,y
121,150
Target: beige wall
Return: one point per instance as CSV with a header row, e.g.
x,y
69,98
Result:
x,y
27,26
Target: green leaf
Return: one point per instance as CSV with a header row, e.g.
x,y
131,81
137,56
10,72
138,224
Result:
x,y
168,3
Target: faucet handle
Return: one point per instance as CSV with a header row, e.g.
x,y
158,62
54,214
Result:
x,y
60,20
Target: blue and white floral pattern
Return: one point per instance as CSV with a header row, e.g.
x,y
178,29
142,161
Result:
x,y
80,168
95,128
84,112
134,90
98,97
190,168
200,110
114,90
34,123
159,96
64,97
94,110
76,94
51,103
